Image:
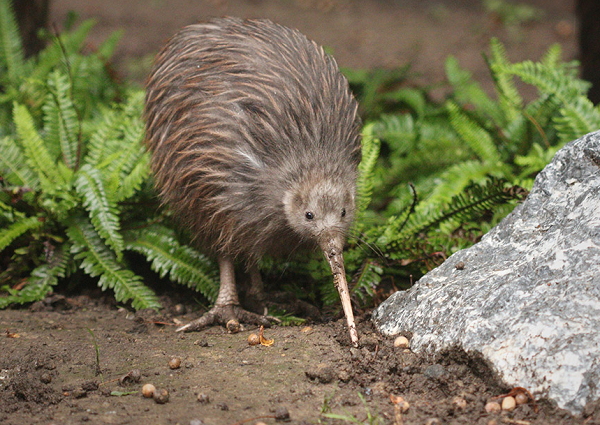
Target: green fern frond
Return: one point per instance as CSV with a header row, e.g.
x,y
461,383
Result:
x,y
475,136
13,165
134,180
469,92
578,114
364,184
40,282
413,98
552,57
475,201
11,48
167,256
102,208
366,280
35,150
457,177
18,228
510,100
60,119
98,261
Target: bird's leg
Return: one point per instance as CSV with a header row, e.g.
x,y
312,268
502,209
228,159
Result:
x,y
227,310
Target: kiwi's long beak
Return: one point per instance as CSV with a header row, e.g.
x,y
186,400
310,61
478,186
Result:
x,y
332,248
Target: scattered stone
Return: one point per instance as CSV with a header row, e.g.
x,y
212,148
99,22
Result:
x,y
459,403
148,390
46,378
253,339
233,326
175,363
493,407
203,398
223,407
132,377
521,398
196,422
282,414
433,421
509,403
401,342
201,343
460,265
161,396
528,304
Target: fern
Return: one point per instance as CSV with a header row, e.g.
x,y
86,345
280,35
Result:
x,y
12,232
98,261
13,165
103,210
182,263
11,48
476,137
60,119
35,151
364,184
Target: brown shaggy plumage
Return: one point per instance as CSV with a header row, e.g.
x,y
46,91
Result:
x,y
249,124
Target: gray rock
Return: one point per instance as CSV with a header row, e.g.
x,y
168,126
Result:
x,y
528,297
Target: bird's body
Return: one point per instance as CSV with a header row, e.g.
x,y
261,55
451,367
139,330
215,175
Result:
x,y
255,139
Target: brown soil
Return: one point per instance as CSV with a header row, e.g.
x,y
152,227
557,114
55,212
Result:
x,y
49,372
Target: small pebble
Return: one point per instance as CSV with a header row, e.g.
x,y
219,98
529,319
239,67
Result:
x,y
459,402
521,398
196,422
509,403
203,398
460,265
493,407
175,363
433,421
161,396
148,390
46,378
253,339
223,407
233,326
401,342
282,414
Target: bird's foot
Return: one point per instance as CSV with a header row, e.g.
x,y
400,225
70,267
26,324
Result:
x,y
229,316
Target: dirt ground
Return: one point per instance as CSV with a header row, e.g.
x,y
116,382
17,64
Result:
x,y
61,360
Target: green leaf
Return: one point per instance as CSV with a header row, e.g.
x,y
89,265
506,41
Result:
x,y
475,136
469,92
11,49
60,118
40,282
13,165
364,184
182,263
98,261
37,154
12,232
103,210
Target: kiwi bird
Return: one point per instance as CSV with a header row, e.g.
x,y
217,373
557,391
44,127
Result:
x,y
255,144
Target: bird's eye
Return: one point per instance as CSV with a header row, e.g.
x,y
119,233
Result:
x,y
343,212
309,215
